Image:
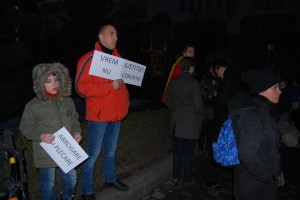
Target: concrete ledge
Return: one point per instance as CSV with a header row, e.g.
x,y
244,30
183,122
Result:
x,y
141,183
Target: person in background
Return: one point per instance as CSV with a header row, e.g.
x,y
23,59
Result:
x,y
187,51
229,85
49,111
209,84
185,103
292,91
257,136
208,88
107,103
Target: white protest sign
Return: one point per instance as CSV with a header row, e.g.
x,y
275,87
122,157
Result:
x,y
112,67
65,151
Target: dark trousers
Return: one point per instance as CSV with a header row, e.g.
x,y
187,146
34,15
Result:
x,y
183,156
206,136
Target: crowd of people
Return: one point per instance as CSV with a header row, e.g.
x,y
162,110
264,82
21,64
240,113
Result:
x,y
251,97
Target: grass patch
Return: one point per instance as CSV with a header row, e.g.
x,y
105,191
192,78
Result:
x,y
144,139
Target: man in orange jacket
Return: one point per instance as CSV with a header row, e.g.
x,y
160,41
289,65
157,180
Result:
x,y
107,103
187,51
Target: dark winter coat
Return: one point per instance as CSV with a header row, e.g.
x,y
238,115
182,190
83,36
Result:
x,y
48,115
185,103
228,87
257,137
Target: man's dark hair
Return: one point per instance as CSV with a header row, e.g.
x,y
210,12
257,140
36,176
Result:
x,y
220,63
187,63
210,70
103,24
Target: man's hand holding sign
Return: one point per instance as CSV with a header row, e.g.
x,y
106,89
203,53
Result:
x,y
117,83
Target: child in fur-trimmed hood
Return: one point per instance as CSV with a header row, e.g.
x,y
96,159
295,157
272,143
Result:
x,y
49,111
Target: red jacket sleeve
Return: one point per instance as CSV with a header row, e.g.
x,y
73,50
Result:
x,y
89,85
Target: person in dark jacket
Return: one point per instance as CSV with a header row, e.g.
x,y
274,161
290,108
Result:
x,y
257,136
185,103
208,87
229,85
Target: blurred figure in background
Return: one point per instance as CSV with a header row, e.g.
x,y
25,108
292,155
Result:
x,y
208,88
187,51
185,103
229,85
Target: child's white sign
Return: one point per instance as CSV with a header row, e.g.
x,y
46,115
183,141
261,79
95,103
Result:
x,y
65,151
112,67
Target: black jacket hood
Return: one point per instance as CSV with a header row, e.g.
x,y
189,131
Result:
x,y
239,103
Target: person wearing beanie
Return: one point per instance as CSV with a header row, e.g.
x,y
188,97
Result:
x,y
257,136
49,111
260,80
185,104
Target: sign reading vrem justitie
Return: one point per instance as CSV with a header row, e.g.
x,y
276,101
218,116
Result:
x,y
111,67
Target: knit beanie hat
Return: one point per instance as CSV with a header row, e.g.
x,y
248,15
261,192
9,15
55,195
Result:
x,y
260,80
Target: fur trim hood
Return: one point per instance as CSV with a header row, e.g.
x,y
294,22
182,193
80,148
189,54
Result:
x,y
41,72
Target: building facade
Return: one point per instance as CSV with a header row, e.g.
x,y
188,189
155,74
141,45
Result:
x,y
250,33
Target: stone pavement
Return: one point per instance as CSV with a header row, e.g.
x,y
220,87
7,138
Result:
x,y
204,171
154,182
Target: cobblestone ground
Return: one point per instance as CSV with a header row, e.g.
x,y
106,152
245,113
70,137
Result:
x,y
204,171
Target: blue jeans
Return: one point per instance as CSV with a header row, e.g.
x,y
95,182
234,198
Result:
x,y
98,133
47,183
183,154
